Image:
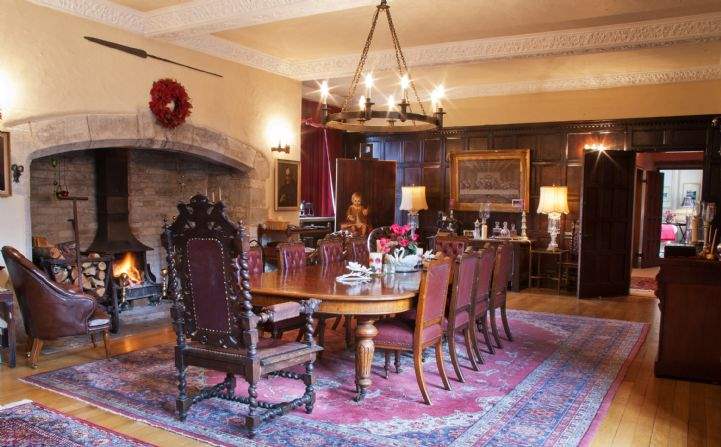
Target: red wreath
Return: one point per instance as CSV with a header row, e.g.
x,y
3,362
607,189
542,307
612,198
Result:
x,y
169,102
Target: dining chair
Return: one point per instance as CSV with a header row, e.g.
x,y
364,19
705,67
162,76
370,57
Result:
x,y
51,310
398,334
292,255
487,261
215,325
451,246
357,251
499,287
331,252
255,260
461,313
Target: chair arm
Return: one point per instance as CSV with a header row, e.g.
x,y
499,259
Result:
x,y
280,312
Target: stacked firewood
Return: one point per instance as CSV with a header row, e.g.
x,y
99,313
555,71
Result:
x,y
94,272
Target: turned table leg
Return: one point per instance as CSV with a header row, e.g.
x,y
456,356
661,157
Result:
x,y
365,331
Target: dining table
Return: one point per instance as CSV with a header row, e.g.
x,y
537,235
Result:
x,y
367,302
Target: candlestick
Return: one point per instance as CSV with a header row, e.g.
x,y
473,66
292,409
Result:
x,y
220,194
213,199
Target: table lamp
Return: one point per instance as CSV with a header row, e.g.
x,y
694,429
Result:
x,y
413,200
554,202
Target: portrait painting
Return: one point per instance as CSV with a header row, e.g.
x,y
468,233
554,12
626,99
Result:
x,y
287,185
499,177
5,178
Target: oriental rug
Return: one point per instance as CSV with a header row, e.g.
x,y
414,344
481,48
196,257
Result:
x,y
26,424
643,283
550,386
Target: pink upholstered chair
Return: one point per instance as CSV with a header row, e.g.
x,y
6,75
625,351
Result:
x,y
398,334
461,313
484,277
255,260
357,251
499,286
451,246
331,252
292,255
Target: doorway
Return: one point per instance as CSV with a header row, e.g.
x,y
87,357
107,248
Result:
x,y
669,185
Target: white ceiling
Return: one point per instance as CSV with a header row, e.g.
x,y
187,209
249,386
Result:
x,y
477,47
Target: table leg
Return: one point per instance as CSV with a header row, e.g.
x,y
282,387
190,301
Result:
x,y
365,331
11,336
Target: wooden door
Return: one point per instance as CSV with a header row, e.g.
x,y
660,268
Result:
x,y
652,210
606,223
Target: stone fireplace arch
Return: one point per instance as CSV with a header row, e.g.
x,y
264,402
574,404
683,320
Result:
x,y
46,136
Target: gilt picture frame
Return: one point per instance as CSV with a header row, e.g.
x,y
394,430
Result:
x,y
286,191
5,174
497,177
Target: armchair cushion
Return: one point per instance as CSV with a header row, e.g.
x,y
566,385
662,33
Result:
x,y
280,312
397,332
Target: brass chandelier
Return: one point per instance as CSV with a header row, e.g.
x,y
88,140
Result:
x,y
398,117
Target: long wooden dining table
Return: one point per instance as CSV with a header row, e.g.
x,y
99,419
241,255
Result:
x,y
386,294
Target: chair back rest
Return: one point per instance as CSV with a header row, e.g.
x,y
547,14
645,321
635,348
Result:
x,y
465,270
203,248
41,300
357,250
255,260
331,252
451,246
502,269
486,265
292,255
432,298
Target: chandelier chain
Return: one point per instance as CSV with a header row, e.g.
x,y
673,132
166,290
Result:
x,y
361,63
399,52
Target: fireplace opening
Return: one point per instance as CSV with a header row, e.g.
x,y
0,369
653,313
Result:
x,y
126,269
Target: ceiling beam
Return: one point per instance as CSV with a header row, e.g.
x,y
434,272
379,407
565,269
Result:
x,y
211,16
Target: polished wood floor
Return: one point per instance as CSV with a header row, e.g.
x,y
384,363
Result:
x,y
645,410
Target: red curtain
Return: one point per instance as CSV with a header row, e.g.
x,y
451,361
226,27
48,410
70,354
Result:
x,y
319,148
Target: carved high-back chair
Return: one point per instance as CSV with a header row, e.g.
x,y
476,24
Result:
x,y
499,286
213,316
484,277
461,312
451,246
255,260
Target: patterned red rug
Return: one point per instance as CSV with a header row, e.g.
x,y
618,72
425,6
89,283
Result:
x,y
26,424
643,283
551,386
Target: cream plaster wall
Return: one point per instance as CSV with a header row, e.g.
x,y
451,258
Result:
x,y
48,69
688,98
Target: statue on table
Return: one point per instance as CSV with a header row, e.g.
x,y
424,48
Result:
x,y
356,217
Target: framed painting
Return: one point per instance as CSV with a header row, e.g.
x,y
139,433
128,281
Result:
x,y
5,178
287,185
498,177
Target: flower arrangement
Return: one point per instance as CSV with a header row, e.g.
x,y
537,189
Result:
x,y
400,238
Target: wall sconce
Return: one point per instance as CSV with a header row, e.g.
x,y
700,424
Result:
x,y
17,172
280,148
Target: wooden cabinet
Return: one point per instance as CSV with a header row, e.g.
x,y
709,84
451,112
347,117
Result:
x,y
690,332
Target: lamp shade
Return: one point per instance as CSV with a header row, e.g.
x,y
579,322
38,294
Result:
x,y
554,199
413,198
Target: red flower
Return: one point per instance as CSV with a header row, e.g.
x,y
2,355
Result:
x,y
403,241
168,91
415,237
397,229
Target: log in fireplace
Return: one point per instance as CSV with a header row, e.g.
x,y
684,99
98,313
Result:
x,y
132,277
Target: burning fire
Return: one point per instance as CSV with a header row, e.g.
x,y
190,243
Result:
x,y
128,264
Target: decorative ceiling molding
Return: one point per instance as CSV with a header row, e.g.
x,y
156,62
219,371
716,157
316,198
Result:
x,y
694,74
577,41
210,16
103,11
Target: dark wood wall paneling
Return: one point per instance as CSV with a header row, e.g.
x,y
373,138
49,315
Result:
x,y
557,154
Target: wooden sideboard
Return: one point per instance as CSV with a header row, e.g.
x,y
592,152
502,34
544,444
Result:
x,y
689,345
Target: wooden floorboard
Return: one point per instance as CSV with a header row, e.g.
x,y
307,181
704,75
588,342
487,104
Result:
x,y
645,410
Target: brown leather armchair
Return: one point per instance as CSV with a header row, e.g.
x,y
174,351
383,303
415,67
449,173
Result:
x,y
51,310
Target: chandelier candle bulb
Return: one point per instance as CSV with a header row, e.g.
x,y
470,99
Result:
x,y
369,84
324,91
